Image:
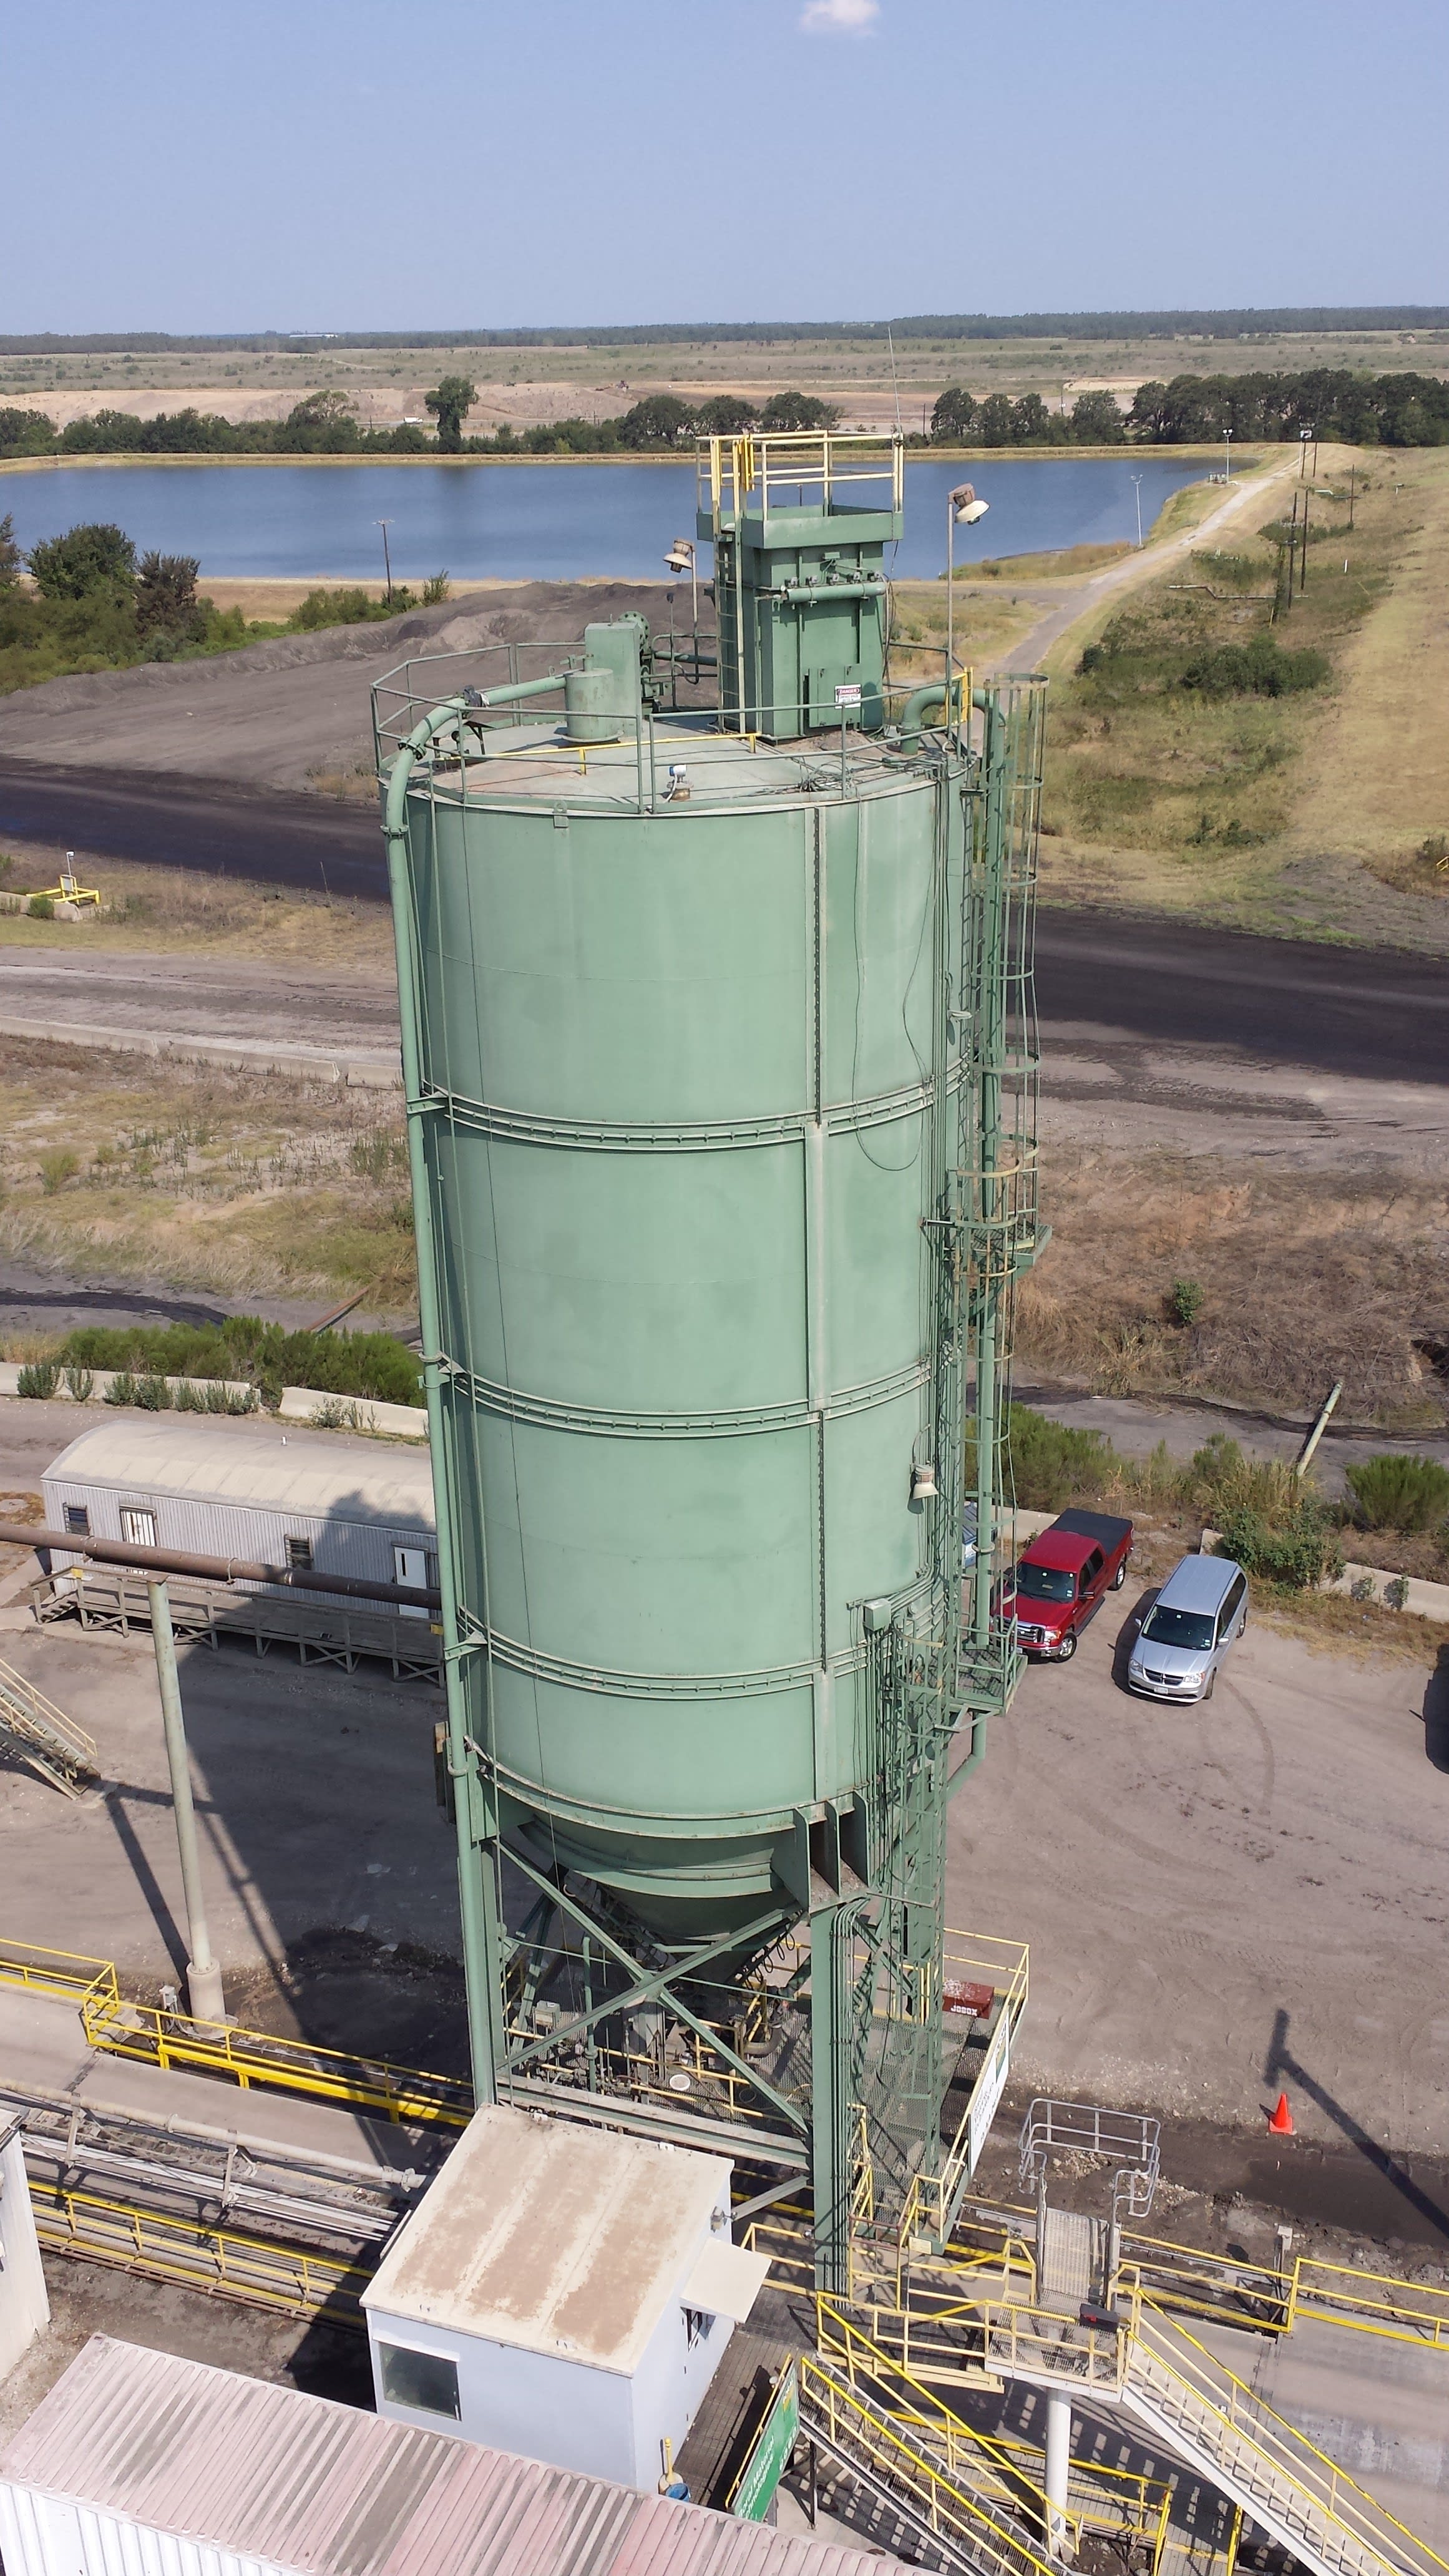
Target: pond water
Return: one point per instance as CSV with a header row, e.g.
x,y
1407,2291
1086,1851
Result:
x,y
543,522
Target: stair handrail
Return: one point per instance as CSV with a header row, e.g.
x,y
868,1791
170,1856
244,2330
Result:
x,y
1284,2452
31,1705
969,2519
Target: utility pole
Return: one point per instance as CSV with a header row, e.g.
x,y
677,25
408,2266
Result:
x,y
385,524
1303,549
203,1976
1351,473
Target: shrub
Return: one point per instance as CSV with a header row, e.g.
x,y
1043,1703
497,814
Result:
x,y
1185,1301
79,1383
1394,1493
40,908
372,1365
39,1378
122,1389
1261,669
435,590
1434,850
1050,1463
1297,1555
56,1168
153,1393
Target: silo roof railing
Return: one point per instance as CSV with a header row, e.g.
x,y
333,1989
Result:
x,y
775,470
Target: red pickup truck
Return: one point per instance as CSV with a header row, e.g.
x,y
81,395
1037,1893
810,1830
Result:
x,y
1060,1581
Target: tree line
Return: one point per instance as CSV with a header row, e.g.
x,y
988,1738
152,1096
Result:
x,y
1330,402
323,424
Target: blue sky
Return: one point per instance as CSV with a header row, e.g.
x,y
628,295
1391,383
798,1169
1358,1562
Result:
x,y
311,164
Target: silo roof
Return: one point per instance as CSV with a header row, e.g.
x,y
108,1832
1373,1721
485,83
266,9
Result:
x,y
562,2240
276,2475
309,1474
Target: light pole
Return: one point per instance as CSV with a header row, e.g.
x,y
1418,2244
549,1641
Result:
x,y
1304,436
1137,479
1227,456
961,504
385,524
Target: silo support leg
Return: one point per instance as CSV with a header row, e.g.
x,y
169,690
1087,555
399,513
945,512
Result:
x,y
830,2100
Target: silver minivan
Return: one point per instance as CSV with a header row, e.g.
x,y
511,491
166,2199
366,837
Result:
x,y
1179,1649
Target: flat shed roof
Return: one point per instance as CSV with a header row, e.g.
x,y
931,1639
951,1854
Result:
x,y
313,1473
298,2482
567,2241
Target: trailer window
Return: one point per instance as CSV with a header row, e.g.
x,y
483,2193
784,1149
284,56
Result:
x,y
77,1521
138,1528
426,2381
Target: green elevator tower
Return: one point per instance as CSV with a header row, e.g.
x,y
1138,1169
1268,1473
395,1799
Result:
x,y
719,1056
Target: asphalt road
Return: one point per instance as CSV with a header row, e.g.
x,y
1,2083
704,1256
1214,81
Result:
x,y
1370,1012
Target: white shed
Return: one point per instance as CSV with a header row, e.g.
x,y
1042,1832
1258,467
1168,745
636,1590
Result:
x,y
260,1491
564,2292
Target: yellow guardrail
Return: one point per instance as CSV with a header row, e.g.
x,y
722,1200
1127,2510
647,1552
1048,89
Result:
x,y
1369,2303
1186,2383
254,2057
62,1975
843,2419
192,2256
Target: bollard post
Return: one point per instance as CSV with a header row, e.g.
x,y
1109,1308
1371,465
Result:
x,y
203,1976
1058,2467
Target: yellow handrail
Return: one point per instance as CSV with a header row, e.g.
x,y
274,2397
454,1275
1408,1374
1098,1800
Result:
x,y
196,2257
62,1974
248,2057
842,2417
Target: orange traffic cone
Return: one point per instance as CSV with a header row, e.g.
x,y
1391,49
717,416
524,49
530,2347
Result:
x,y
1280,2118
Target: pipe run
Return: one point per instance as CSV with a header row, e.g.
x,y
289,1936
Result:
x,y
216,1569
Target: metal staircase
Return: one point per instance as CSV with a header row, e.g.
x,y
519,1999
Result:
x,y
1138,2361
41,1734
1173,2387
951,2526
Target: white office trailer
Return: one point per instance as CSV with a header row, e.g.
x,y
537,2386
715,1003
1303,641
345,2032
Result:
x,y
561,2291
255,1491
139,2464
24,2304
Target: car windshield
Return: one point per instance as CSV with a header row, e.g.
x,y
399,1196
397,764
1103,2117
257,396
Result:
x,y
1190,1629
1044,1583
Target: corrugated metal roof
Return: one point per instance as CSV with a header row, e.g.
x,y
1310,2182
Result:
x,y
301,1472
275,2473
563,2240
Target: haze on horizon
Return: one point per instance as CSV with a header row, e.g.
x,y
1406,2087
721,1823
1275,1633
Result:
x,y
350,165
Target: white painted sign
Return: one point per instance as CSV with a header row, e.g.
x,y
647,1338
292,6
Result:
x,y
987,2091
847,693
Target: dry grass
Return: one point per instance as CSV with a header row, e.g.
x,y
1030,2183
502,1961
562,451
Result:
x,y
161,908
1301,814
1304,1281
986,624
249,1184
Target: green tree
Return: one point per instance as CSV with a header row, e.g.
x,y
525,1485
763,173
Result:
x,y
660,420
11,557
1030,419
995,423
166,601
953,420
95,556
726,416
24,433
792,410
450,402
1097,422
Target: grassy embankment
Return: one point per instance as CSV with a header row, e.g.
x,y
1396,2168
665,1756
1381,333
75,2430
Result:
x,y
1175,785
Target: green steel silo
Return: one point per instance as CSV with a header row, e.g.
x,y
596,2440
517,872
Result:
x,y
688,1044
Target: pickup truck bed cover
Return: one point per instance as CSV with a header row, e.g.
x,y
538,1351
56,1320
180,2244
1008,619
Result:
x,y
1100,1527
